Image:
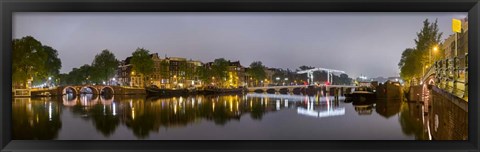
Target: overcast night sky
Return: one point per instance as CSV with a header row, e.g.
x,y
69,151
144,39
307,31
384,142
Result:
x,y
357,43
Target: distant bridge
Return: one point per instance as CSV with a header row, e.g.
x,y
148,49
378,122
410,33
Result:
x,y
292,88
309,73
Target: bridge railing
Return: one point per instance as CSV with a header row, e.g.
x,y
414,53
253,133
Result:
x,y
452,75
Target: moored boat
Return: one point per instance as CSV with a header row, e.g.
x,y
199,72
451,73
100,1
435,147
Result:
x,y
155,91
361,94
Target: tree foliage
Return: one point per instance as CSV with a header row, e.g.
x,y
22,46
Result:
x,y
142,63
257,71
104,66
413,60
427,39
31,59
164,65
204,74
219,70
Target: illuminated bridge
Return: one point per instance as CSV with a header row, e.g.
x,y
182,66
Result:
x,y
76,90
443,90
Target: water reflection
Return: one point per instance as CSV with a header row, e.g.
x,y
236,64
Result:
x,y
411,119
40,118
35,118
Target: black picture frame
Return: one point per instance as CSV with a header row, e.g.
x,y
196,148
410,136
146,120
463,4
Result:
x,y
7,7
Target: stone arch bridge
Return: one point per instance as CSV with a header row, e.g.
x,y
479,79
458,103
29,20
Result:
x,y
88,89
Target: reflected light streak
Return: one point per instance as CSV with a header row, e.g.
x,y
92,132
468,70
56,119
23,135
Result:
x,y
50,111
291,97
278,104
321,114
175,108
133,113
193,102
114,110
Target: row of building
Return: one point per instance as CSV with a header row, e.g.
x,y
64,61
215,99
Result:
x,y
177,72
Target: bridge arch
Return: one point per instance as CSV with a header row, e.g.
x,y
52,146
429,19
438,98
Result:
x,y
106,100
427,85
69,90
107,91
89,99
85,90
70,100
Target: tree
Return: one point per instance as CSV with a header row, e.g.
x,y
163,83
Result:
x,y
142,63
104,65
257,71
164,65
83,74
204,74
427,39
220,70
413,60
33,60
52,65
408,64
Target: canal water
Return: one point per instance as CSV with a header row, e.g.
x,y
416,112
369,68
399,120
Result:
x,y
237,117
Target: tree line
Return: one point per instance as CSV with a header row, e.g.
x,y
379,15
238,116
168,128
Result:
x,y
37,61
415,61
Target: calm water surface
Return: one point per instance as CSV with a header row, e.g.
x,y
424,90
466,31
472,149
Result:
x,y
248,116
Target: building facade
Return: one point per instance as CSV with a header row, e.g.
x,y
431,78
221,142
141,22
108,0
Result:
x,y
170,72
462,42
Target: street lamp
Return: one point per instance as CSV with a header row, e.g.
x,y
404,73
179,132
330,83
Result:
x,y
434,50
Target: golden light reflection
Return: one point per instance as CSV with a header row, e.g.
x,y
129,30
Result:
x,y
133,113
175,108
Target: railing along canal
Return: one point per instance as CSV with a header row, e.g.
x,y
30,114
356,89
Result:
x,y
452,75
